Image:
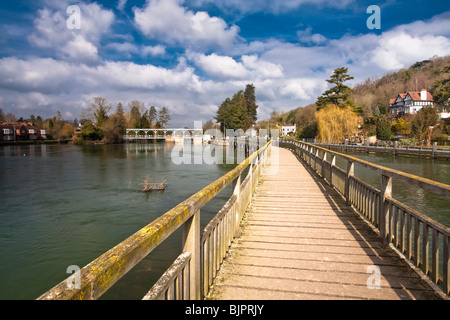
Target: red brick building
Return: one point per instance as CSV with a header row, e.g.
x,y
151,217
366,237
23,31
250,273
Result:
x,y
21,131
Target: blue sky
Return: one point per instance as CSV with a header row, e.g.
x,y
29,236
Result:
x,y
189,55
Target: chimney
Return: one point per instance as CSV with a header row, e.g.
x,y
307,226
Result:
x,y
423,94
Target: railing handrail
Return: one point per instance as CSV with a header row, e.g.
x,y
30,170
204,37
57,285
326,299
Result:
x,y
102,273
427,184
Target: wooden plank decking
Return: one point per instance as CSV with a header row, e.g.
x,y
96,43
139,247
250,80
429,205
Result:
x,y
300,241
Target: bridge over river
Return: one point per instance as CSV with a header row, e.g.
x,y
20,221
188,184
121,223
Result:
x,y
296,227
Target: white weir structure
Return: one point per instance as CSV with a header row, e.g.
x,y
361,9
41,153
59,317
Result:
x,y
176,135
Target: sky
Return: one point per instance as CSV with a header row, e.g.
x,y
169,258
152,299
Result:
x,y
190,55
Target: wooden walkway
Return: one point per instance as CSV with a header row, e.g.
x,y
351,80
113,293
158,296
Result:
x,y
300,241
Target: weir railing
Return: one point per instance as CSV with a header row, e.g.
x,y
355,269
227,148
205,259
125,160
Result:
x,y
420,239
192,273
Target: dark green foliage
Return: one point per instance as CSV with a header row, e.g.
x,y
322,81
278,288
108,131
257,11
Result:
x,y
384,129
337,95
308,132
91,132
239,112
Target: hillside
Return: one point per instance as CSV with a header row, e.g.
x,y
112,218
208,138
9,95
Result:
x,y
375,93
372,96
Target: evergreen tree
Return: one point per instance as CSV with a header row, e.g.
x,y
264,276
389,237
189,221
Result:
x,y
152,116
239,112
120,120
232,112
39,122
251,106
137,109
384,129
338,94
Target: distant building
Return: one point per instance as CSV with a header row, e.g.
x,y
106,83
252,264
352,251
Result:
x,y
410,102
251,132
288,130
20,131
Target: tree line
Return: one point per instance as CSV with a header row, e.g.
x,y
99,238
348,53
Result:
x,y
97,121
100,124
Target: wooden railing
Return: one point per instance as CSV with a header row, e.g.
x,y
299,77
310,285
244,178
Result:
x,y
420,239
191,275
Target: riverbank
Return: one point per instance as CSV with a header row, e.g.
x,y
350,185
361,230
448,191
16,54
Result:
x,y
32,142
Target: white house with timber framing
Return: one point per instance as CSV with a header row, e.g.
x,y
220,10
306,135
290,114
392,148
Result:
x,y
411,102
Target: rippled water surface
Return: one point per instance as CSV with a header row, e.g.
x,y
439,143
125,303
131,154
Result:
x,y
63,205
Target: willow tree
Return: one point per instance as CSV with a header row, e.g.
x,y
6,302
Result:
x,y
336,123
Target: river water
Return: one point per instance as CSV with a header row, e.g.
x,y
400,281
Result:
x,y
64,205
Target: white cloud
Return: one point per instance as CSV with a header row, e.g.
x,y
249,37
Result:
x,y
261,68
219,66
79,45
47,85
121,4
272,6
365,55
286,75
302,89
80,50
169,22
406,44
306,36
225,67
157,50
129,48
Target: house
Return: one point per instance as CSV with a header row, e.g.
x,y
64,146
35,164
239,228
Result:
x,y
410,102
288,130
20,131
34,132
6,132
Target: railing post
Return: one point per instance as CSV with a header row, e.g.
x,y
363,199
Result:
x,y
237,193
316,157
350,173
386,191
191,243
333,164
324,159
